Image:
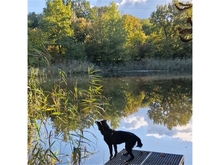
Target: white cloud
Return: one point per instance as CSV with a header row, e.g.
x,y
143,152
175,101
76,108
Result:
x,y
155,135
183,133
140,8
123,2
140,119
134,122
184,136
136,8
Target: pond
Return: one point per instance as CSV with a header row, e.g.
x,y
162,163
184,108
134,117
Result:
x,y
155,107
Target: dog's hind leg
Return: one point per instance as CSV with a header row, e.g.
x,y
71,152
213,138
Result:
x,y
131,154
129,151
128,147
125,154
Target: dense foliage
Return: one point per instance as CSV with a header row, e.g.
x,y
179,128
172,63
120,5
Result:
x,y
72,30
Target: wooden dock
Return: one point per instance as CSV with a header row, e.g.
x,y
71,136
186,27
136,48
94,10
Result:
x,y
147,158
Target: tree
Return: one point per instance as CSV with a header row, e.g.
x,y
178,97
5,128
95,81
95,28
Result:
x,y
33,20
81,28
146,50
57,26
37,54
81,8
56,20
165,42
106,37
135,36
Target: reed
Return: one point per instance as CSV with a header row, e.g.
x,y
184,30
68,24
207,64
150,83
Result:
x,y
69,112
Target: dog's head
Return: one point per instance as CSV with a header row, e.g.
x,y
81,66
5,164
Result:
x,y
102,125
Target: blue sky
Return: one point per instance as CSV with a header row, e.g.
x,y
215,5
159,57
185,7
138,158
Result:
x,y
137,8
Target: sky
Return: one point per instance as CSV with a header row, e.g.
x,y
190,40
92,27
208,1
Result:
x,y
139,8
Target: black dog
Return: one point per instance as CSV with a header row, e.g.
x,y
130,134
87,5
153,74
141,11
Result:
x,y
113,137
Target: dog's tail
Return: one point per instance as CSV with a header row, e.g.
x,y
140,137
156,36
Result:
x,y
139,142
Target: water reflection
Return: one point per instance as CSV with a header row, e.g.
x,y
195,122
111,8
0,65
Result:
x,y
159,111
169,100
157,138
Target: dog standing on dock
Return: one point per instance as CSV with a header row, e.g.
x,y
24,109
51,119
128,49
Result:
x,y
113,137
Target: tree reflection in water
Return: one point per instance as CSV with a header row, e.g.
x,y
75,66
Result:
x,y
169,100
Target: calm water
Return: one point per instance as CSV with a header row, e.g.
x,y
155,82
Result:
x,y
158,109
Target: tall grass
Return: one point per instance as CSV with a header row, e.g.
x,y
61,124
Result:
x,y
69,67
69,112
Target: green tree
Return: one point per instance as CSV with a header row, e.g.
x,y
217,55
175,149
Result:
x,y
135,36
73,50
57,26
165,41
81,8
75,47
146,50
81,27
37,53
56,22
33,20
106,38
36,39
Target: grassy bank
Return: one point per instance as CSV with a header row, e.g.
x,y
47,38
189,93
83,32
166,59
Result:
x,y
74,67
153,64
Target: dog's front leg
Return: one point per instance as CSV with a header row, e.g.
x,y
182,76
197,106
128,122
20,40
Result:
x,y
115,147
110,150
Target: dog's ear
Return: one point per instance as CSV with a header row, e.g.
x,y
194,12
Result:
x,y
105,123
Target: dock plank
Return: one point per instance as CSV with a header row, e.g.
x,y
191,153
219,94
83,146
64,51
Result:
x,y
147,158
